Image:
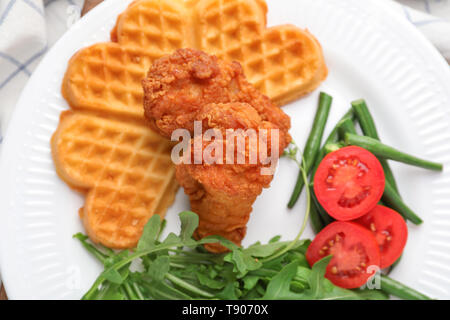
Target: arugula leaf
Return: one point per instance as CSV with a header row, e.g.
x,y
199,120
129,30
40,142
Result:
x,y
291,152
235,257
227,272
150,233
322,288
275,239
253,294
229,292
161,228
302,246
189,222
317,277
264,250
113,276
159,268
115,258
332,292
111,292
250,281
303,274
300,257
209,282
251,263
212,273
89,247
277,263
172,239
242,261
279,286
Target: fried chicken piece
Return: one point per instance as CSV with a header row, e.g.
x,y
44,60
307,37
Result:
x,y
223,194
192,86
179,85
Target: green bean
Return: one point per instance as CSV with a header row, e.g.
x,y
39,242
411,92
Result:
x,y
333,137
399,290
389,175
334,134
369,129
345,126
385,151
393,200
316,222
365,119
313,143
320,210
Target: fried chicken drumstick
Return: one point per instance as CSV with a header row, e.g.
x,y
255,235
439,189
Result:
x,y
189,86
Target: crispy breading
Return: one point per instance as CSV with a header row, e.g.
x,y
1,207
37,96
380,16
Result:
x,y
179,85
192,86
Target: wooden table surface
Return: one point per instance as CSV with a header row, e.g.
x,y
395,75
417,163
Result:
x,y
88,5
3,295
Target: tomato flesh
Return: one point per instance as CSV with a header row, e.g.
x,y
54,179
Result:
x,y
349,182
354,250
390,231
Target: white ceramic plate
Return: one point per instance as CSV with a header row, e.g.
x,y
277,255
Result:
x,y
370,52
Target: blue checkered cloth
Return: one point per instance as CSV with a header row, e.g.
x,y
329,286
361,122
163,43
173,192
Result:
x,y
27,29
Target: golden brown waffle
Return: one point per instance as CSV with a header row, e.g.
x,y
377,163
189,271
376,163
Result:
x,y
284,62
107,76
125,169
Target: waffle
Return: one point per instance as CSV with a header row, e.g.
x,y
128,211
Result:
x,y
124,168
284,62
107,77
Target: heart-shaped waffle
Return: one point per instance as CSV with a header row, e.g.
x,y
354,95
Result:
x,y
125,169
283,62
107,76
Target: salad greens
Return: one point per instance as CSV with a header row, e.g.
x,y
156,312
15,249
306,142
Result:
x,y
178,267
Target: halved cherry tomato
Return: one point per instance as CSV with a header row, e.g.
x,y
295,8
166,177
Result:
x,y
354,250
349,182
390,230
